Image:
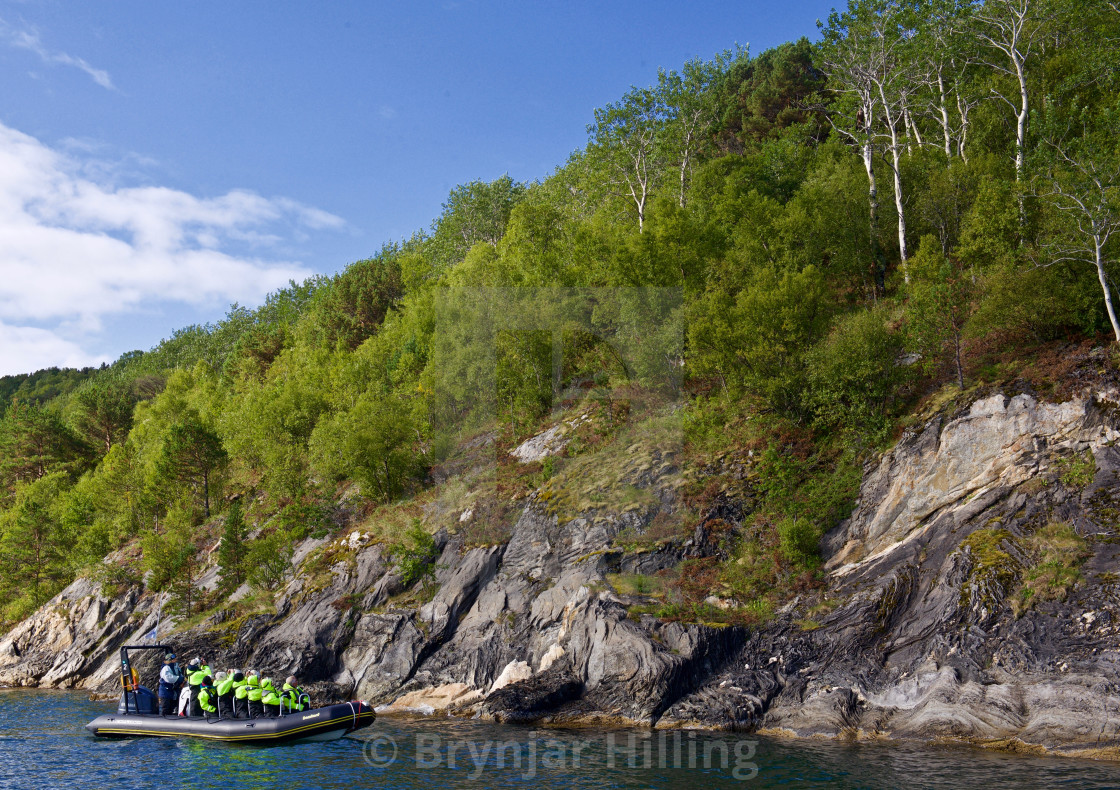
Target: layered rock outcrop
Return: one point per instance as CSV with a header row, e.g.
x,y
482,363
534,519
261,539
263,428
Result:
x,y
928,629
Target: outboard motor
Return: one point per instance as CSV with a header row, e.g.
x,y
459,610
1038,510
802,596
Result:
x,y
142,700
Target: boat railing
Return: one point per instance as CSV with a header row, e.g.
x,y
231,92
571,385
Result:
x,y
294,704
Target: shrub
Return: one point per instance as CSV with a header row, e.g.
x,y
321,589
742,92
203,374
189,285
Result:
x,y
854,374
416,557
798,540
270,559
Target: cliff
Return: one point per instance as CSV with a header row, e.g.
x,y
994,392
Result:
x,y
971,595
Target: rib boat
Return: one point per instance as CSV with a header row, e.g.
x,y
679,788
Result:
x,y
138,715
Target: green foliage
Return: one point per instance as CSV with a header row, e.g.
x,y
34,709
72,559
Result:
x,y
771,93
475,213
102,413
757,341
233,550
34,441
937,309
1022,301
798,539
415,557
1078,472
42,385
854,374
173,560
269,560
34,541
373,443
357,301
192,454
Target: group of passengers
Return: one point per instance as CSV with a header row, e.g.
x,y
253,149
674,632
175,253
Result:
x,y
229,694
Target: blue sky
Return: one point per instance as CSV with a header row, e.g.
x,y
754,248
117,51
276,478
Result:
x,y
163,160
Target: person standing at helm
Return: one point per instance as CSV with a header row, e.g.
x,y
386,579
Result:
x,y
170,681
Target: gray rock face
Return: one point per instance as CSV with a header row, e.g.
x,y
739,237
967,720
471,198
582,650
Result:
x,y
926,639
68,639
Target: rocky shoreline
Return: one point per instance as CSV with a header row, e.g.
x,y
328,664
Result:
x,y
936,628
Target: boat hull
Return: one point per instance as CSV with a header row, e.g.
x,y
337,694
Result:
x,y
333,721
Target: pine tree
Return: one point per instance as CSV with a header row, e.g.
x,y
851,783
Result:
x,y
233,550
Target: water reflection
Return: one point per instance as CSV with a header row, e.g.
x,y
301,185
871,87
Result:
x,y
43,743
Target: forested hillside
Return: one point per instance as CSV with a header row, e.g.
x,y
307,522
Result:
x,y
796,251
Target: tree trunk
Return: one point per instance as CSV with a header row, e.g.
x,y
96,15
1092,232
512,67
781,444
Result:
x,y
879,261
686,159
957,358
1104,287
945,131
1020,123
963,110
896,171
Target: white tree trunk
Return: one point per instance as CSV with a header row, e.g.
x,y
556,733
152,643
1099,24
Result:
x,y
1021,121
963,109
1097,244
945,130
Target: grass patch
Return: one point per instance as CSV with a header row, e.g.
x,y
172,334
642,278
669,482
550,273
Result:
x,y
994,570
1078,472
638,584
1060,552
619,477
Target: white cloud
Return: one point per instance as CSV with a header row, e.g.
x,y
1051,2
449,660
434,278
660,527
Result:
x,y
75,251
24,349
29,40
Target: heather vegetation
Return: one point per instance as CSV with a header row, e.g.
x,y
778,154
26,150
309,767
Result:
x,y
792,250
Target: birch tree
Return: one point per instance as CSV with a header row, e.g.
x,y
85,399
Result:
x,y
689,102
1086,196
1010,32
628,141
860,55
943,59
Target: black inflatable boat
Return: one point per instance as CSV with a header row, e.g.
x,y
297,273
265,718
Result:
x,y
137,715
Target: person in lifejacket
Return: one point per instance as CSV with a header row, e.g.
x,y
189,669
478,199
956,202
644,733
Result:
x,y
222,680
170,681
254,696
207,696
292,695
270,698
196,673
225,691
241,694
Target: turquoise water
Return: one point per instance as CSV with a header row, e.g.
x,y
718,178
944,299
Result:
x,y
44,744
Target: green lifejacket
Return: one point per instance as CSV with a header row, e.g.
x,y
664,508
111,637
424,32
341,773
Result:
x,y
225,686
240,688
254,692
207,696
196,677
292,694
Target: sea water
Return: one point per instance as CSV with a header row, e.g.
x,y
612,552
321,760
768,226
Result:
x,y
44,744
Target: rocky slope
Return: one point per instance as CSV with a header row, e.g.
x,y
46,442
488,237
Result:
x,y
972,594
